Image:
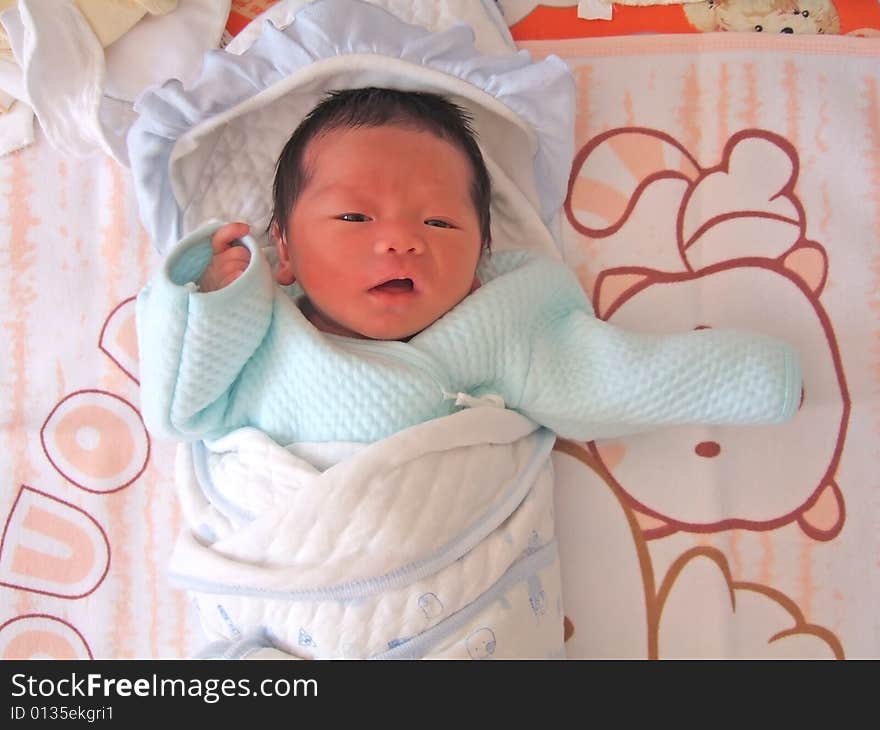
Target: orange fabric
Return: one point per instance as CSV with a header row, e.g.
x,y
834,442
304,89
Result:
x,y
857,15
546,23
243,12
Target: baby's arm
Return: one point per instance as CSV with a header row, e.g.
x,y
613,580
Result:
x,y
589,379
194,343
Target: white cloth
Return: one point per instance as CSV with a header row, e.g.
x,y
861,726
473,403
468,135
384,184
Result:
x,y
604,9
174,43
435,542
491,34
64,71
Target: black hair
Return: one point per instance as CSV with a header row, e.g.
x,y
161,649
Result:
x,y
375,107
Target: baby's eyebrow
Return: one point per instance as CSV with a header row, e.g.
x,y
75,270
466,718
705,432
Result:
x,y
337,186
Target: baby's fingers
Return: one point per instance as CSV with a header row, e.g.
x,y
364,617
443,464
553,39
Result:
x,y
228,276
227,234
237,254
230,269
224,269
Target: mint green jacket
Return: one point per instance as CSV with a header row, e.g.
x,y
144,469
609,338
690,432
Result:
x,y
246,356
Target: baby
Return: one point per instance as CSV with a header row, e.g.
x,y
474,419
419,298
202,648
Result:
x,y
401,314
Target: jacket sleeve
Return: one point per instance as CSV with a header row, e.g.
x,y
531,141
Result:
x,y
193,345
588,379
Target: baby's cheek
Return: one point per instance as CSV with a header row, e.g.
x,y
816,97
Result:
x,y
320,278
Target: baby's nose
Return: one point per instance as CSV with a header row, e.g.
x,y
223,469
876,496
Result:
x,y
398,239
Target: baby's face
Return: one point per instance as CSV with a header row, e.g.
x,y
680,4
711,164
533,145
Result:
x,y
384,237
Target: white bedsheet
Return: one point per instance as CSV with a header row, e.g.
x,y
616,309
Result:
x,y
82,92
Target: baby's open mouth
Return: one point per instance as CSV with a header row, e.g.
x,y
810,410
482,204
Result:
x,y
395,286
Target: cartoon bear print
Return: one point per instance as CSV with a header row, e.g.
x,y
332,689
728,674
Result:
x,y
705,479
718,253
764,16
624,600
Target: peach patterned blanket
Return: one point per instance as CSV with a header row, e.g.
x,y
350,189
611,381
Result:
x,y
720,181
731,181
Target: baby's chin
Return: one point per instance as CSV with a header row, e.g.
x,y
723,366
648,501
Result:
x,y
377,330
401,334
400,325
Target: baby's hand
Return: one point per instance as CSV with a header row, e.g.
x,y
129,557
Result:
x,y
230,260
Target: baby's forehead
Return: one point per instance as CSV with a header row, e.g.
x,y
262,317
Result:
x,y
360,141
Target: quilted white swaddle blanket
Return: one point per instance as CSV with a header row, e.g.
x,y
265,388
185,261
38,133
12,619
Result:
x,y
435,542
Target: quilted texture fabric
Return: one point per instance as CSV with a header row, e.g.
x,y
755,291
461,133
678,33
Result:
x,y
436,542
246,356
491,34
208,151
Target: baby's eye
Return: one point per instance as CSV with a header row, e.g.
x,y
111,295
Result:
x,y
437,223
759,28
354,217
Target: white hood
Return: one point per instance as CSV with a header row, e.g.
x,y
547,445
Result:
x,y
209,151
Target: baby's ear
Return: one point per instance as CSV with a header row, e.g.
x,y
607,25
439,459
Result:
x,y
284,273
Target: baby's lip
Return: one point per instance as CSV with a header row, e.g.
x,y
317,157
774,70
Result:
x,y
394,282
395,285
